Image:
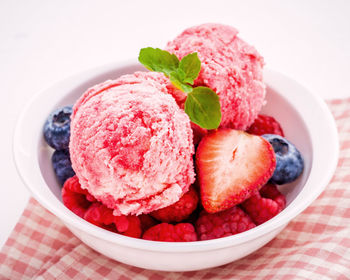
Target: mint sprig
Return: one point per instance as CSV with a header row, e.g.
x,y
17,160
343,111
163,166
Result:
x,y
202,104
177,81
189,68
158,60
203,107
181,73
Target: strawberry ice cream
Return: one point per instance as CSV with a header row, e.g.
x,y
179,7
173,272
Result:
x,y
229,66
131,145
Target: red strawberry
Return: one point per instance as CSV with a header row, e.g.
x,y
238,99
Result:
x,y
265,125
231,166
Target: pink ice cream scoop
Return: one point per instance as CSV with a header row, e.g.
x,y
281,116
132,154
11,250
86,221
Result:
x,y
131,145
230,67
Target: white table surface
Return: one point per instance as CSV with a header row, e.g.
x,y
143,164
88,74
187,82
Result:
x,y
44,41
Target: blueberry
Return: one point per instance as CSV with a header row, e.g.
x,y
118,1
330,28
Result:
x,y
57,128
62,165
289,162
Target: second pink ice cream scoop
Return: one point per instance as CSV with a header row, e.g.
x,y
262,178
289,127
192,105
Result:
x,y
229,66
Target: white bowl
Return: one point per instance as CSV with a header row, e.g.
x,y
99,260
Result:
x,y
305,119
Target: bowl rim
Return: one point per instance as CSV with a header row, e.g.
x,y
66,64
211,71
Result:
x,y
65,215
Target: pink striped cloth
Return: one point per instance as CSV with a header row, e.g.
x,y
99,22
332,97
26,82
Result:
x,y
315,245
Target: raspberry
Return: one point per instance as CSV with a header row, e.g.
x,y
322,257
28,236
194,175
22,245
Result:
x,y
75,198
271,191
85,205
221,224
134,228
180,210
265,125
260,209
263,206
99,215
110,227
183,232
146,222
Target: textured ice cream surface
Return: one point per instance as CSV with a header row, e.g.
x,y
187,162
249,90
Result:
x,y
229,66
131,145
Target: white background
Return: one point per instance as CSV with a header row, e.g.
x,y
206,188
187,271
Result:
x,y
43,41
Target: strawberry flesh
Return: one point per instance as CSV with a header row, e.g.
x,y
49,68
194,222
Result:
x,y
231,166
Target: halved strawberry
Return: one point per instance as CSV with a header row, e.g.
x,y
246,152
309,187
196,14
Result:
x,y
231,166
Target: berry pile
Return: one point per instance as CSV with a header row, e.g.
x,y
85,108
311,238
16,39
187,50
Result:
x,y
264,205
236,188
225,223
84,205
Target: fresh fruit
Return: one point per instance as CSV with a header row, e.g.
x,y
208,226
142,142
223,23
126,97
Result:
x,y
271,191
231,166
134,227
260,208
62,165
57,128
265,125
75,198
180,210
146,221
289,161
99,215
183,232
221,224
84,205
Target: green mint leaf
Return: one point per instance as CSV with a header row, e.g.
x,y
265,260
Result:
x,y
181,74
158,60
203,107
176,81
190,65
